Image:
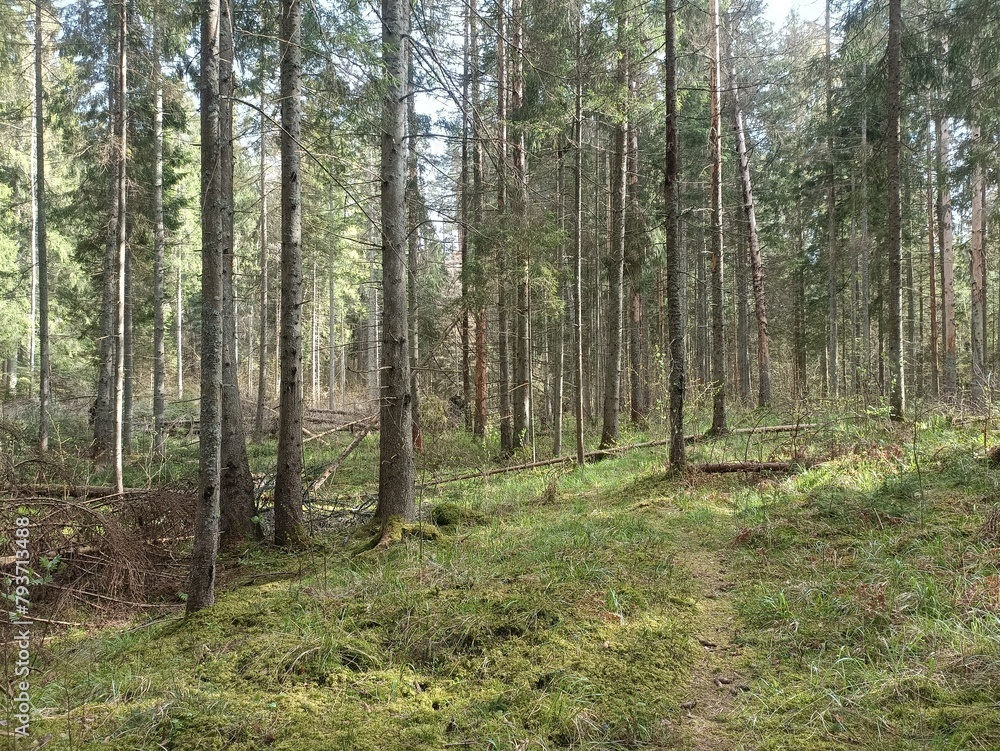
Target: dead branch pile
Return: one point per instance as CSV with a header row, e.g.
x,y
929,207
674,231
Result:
x,y
105,551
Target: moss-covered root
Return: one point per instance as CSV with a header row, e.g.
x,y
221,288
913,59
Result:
x,y
395,529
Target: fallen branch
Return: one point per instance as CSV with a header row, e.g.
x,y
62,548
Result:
x,y
368,422
723,467
332,467
751,431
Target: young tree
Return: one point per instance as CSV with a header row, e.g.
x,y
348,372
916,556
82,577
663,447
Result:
x,y
396,473
715,148
41,249
159,288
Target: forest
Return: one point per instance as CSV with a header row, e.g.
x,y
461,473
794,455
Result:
x,y
500,374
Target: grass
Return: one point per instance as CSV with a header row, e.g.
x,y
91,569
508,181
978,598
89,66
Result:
x,y
563,608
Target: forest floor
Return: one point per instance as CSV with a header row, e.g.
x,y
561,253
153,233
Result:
x,y
851,603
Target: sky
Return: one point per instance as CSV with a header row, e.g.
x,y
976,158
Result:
x,y
809,10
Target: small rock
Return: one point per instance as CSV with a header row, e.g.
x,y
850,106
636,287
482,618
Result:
x,y
689,705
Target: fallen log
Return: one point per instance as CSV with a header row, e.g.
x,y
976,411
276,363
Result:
x,y
346,426
332,467
751,431
724,467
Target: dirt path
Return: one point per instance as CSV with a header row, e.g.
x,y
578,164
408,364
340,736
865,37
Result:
x,y
714,682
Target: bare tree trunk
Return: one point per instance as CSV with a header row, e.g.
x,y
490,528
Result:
x,y
331,372
159,242
128,372
479,413
121,149
559,335
578,241
675,279
288,527
258,426
833,379
179,324
715,146
236,500
520,390
465,189
616,266
865,250
41,246
935,344
636,241
503,326
977,255
396,473
201,587
756,269
895,236
412,252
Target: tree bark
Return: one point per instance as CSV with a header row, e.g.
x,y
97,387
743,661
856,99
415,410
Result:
x,y
833,376
616,265
396,473
520,390
932,268
715,147
41,246
479,413
977,254
465,208
756,268
894,300
236,499
675,279
121,189
159,242
258,429
412,252
503,325
578,241
288,526
201,586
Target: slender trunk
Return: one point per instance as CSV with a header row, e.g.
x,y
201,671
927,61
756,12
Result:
x,y
715,143
236,499
263,349
675,278
41,247
463,225
932,296
578,242
412,251
479,413
977,256
331,372
121,189
558,363
756,269
159,242
288,525
503,327
895,236
396,473
616,266
832,379
865,250
520,391
201,587
128,372
636,241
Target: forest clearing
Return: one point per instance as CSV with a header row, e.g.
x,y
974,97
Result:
x,y
499,374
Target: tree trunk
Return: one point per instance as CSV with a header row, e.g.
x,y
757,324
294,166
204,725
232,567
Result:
x,y
977,254
236,499
520,395
159,242
331,372
756,269
503,327
675,279
832,379
258,425
41,246
559,336
932,296
479,413
465,208
616,265
412,251
121,190
578,241
636,241
865,250
715,146
895,237
288,526
201,587
396,473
